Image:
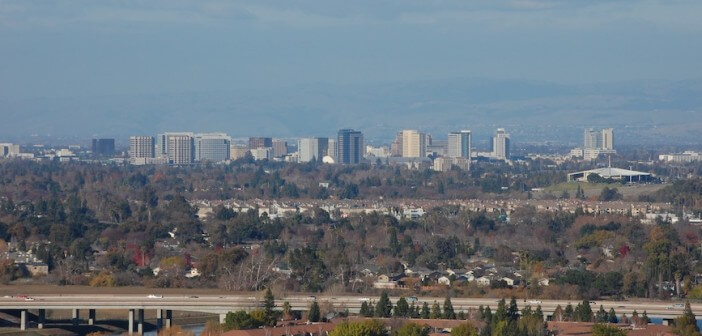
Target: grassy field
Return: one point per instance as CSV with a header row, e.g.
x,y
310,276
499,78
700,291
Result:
x,y
592,190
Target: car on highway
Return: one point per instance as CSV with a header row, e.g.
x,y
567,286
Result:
x,y
593,303
364,299
676,306
154,296
29,299
412,299
312,298
252,298
535,301
193,297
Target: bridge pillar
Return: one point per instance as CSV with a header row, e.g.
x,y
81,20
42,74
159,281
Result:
x,y
23,319
41,318
75,317
169,318
130,325
159,319
91,316
140,322
222,318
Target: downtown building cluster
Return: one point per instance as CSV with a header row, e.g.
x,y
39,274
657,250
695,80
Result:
x,y
183,148
410,147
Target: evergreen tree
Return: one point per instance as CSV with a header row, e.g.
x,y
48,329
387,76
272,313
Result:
x,y
644,318
448,309
501,312
612,318
425,311
481,312
487,315
384,307
268,306
513,311
461,315
686,324
539,313
413,311
526,311
601,315
364,309
568,313
314,315
401,309
436,311
584,312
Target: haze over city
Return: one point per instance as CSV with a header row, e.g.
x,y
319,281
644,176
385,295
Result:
x,y
351,168
115,68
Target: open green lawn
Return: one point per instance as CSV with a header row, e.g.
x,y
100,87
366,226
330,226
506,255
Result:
x,y
630,192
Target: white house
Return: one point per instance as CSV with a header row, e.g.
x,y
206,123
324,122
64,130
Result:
x,y
483,281
444,280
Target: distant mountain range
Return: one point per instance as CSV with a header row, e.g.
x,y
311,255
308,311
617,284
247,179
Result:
x,y
651,111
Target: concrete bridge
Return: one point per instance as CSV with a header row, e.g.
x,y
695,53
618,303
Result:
x,y
135,305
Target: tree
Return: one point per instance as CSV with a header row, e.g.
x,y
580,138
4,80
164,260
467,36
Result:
x,y
268,306
606,330
686,324
287,310
425,311
608,194
436,311
448,309
612,318
601,316
513,311
401,308
360,328
558,314
314,315
364,310
464,329
583,312
384,307
568,313
240,320
411,329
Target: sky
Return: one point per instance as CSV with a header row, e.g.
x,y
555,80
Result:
x,y
108,47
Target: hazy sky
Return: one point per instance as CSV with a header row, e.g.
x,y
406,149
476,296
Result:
x,y
88,47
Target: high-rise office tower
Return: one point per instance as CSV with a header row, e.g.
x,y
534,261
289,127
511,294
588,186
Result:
x,y
459,144
396,146
333,149
260,142
607,139
141,147
180,148
280,148
414,144
592,139
212,147
104,147
501,144
309,149
350,147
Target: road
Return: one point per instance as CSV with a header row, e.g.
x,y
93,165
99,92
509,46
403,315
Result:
x,y
217,304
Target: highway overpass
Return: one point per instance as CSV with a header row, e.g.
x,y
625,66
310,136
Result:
x,y
135,305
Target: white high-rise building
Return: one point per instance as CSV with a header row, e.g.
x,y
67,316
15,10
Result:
x,y
333,149
607,138
591,139
214,147
309,149
414,144
179,147
459,144
501,145
141,147
9,150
